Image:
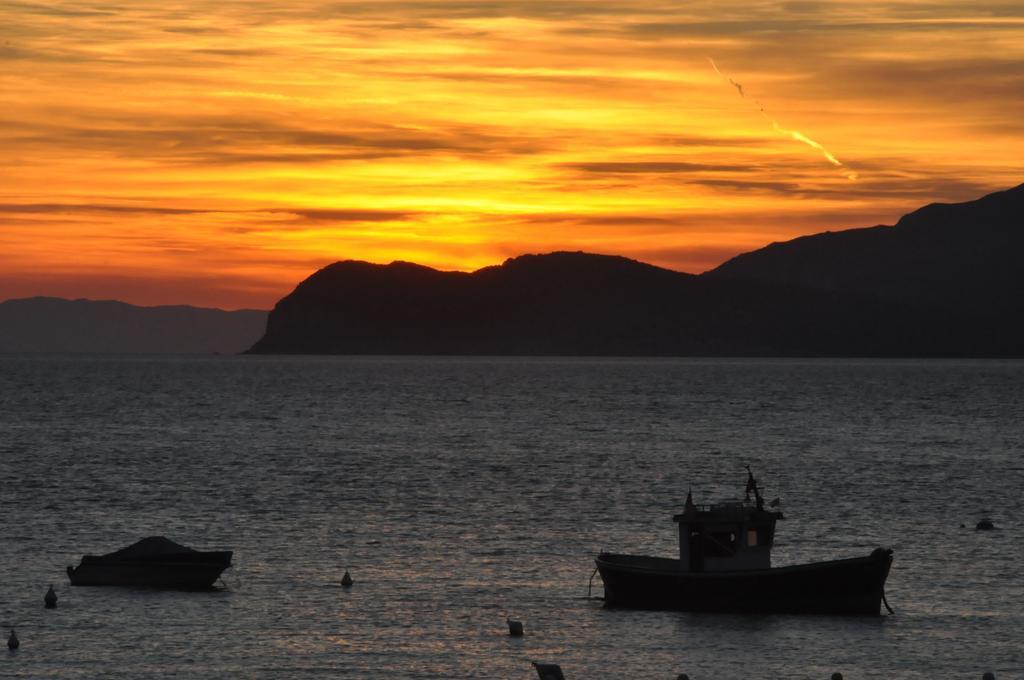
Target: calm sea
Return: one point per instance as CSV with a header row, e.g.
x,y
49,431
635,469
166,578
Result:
x,y
459,491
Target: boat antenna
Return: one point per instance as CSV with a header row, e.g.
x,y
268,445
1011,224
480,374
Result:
x,y
752,486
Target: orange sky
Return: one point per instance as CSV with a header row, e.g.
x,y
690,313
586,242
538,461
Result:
x,y
218,153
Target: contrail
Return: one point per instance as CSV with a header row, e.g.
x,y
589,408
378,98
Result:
x,y
800,137
792,134
739,88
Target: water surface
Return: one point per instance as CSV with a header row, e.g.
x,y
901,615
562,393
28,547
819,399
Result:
x,y
462,490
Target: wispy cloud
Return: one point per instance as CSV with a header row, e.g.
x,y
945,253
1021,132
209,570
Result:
x,y
654,167
246,141
49,208
306,214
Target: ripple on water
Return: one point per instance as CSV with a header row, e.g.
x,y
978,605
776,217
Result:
x,y
462,491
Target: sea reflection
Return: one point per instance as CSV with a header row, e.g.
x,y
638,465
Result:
x,y
461,492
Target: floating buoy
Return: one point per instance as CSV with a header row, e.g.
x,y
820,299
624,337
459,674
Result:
x,y
548,671
984,525
682,676
515,628
12,641
988,676
346,580
837,676
50,598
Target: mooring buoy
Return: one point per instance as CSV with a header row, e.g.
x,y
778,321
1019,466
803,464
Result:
x,y
50,599
515,628
12,641
346,580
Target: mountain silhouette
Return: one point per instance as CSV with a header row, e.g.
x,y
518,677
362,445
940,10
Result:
x,y
944,281
963,259
576,304
46,324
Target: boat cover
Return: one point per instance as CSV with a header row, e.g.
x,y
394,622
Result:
x,y
148,548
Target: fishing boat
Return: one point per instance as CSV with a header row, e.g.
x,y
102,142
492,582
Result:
x,y
724,565
154,562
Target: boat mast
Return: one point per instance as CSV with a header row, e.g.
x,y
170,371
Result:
x,y
752,486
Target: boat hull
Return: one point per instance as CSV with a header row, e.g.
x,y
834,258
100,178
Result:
x,y
198,573
846,587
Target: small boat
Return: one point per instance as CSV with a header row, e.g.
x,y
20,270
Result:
x,y
724,565
154,562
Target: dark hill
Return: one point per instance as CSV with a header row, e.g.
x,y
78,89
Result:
x,y
580,304
963,261
946,280
45,324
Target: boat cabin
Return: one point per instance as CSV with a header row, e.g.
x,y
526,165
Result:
x,y
727,536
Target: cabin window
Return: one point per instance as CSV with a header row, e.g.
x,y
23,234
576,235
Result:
x,y
720,544
761,536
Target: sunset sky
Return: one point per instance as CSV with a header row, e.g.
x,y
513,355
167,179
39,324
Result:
x,y
217,153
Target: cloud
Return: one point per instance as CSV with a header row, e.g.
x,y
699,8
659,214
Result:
x,y
749,184
881,186
621,219
54,10
338,215
716,141
243,137
552,10
301,213
992,78
51,208
653,167
206,141
46,56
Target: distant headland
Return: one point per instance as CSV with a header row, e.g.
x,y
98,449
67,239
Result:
x,y
47,324
945,280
